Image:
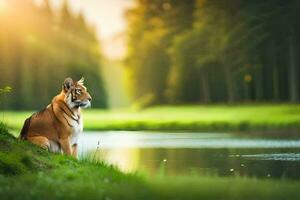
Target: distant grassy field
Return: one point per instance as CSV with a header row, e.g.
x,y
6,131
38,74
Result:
x,y
256,117
28,172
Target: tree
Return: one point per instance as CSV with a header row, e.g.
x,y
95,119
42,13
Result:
x,y
40,48
152,28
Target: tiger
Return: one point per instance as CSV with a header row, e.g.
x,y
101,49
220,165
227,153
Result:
x,y
58,126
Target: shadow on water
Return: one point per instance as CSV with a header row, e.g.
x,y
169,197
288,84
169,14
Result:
x,y
196,153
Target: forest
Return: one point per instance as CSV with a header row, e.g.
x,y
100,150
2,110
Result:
x,y
39,48
178,52
207,51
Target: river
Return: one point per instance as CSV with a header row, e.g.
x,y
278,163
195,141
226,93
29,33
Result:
x,y
217,154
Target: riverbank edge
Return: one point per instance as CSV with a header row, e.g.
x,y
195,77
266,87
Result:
x,y
214,128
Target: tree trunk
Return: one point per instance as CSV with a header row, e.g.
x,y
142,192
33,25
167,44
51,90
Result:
x,y
205,86
275,84
246,91
229,85
293,78
258,83
274,68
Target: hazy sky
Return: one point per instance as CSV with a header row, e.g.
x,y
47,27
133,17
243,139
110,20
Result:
x,y
106,15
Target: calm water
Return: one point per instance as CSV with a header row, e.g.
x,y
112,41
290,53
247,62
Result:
x,y
190,153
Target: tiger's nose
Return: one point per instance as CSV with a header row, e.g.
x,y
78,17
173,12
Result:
x,y
90,98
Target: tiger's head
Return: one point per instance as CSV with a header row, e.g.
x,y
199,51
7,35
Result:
x,y
76,94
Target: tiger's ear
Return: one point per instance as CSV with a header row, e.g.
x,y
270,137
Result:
x,y
81,81
68,83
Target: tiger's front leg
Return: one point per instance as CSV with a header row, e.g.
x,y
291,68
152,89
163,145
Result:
x,y
66,146
74,150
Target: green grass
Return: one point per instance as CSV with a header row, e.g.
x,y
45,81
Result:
x,y
255,117
28,172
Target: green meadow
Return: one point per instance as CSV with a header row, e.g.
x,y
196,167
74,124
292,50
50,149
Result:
x,y
28,172
214,118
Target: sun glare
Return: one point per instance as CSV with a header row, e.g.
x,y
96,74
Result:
x,y
3,5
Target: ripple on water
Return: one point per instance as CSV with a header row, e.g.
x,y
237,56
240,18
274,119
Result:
x,y
274,156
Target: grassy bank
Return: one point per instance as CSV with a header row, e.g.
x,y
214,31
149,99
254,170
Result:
x,y
214,118
27,172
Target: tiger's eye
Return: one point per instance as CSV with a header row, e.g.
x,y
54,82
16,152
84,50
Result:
x,y
78,91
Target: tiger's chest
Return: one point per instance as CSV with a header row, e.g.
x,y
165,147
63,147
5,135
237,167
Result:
x,y
76,130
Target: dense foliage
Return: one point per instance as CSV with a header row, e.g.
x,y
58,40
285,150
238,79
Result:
x,y
214,51
40,47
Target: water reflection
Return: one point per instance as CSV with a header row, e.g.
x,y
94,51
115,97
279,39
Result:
x,y
208,154
127,160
